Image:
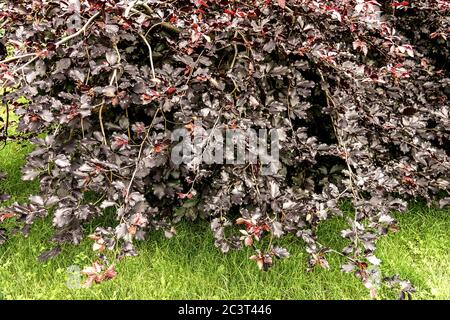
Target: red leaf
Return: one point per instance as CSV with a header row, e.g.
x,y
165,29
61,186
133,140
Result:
x,y
110,273
185,195
230,12
5,216
158,148
248,241
171,90
201,3
181,195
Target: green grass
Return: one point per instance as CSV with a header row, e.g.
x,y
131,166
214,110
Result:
x,y
188,266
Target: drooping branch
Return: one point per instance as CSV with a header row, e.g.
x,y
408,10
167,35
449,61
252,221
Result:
x,y
23,56
150,54
79,32
35,55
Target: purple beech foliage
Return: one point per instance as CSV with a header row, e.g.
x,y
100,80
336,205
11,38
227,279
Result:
x,y
357,91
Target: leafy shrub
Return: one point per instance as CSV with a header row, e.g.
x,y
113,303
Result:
x,y
356,90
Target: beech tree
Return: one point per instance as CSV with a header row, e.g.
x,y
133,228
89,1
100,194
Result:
x,y
356,90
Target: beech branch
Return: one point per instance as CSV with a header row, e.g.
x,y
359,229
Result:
x,y
150,54
141,149
76,34
35,55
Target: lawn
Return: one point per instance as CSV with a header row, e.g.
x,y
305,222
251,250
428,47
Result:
x,y
188,266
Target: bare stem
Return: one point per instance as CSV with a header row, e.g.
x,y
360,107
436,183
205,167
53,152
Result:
x,y
129,8
342,144
76,34
138,160
150,54
28,55
59,43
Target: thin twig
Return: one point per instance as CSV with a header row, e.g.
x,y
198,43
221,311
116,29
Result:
x,y
59,43
194,66
138,160
150,54
111,82
164,24
129,8
25,65
28,55
4,23
335,251
205,147
100,119
288,102
82,127
76,34
147,7
5,136
235,53
346,154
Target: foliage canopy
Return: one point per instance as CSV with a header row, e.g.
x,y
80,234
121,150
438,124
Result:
x,y
356,89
